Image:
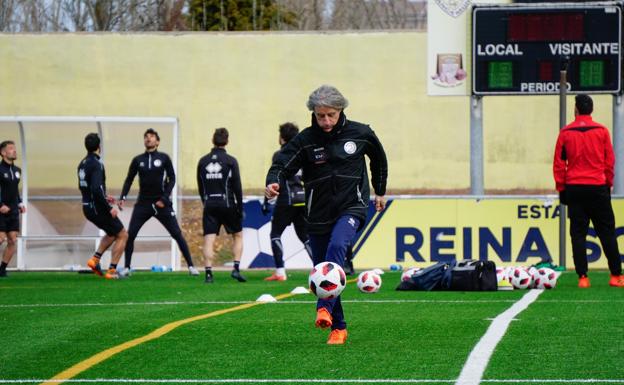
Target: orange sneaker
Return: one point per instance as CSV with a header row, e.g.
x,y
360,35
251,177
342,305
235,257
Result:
x,y
111,274
584,282
337,337
616,281
275,277
94,264
323,318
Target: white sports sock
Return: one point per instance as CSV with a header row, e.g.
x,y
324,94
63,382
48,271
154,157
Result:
x,y
280,271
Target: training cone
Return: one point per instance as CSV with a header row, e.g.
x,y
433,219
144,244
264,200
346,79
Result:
x,y
504,285
266,298
299,290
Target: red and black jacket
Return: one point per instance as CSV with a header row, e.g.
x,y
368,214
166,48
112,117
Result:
x,y
583,154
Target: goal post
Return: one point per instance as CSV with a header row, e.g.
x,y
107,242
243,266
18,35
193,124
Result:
x,y
54,233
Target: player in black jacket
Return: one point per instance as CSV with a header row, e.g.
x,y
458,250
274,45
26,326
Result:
x,y
10,202
289,208
156,181
331,153
220,190
97,207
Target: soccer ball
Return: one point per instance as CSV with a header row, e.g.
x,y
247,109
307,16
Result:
x,y
545,278
520,279
533,274
327,280
407,274
501,274
509,272
369,282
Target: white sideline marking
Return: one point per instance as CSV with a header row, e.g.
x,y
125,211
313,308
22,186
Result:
x,y
241,380
173,303
479,357
307,381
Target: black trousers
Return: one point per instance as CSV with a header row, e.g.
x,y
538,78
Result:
x,y
142,213
283,216
585,203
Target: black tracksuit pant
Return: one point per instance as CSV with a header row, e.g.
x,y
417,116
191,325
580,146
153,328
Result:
x,y
585,203
282,217
142,212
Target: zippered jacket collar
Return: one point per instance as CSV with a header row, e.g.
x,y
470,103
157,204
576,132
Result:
x,y
342,121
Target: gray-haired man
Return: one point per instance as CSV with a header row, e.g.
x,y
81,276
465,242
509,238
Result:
x,y
331,153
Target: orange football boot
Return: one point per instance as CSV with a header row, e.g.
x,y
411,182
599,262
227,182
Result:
x,y
323,318
275,277
616,281
111,274
584,282
94,264
337,337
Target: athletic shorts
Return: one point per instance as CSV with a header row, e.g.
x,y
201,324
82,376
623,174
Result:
x,y
214,217
105,221
283,216
10,221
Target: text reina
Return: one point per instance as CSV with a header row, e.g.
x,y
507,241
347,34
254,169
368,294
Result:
x,y
555,49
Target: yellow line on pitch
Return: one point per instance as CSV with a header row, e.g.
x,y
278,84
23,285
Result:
x,y
161,331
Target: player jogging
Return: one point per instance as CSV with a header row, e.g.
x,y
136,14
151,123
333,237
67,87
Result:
x,y
220,190
97,207
289,208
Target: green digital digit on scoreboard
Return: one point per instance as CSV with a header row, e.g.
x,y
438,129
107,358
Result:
x,y
500,74
591,73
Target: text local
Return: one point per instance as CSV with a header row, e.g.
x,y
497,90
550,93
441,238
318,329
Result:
x,y
556,49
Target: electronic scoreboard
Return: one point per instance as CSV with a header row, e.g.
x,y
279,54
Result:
x,y
521,49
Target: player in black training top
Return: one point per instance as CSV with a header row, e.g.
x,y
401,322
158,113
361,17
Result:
x,y
289,208
97,207
220,190
10,202
156,181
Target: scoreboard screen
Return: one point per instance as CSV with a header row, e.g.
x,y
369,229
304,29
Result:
x,y
520,49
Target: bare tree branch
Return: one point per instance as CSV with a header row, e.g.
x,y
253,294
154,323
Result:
x,y
175,15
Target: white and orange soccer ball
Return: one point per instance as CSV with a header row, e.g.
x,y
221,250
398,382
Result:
x,y
545,278
369,282
327,280
520,278
407,274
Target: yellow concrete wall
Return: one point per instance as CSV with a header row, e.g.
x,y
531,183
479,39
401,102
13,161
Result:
x,y
250,83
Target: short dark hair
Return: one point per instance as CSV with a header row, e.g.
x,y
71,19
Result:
x,y
584,104
220,137
288,131
153,132
6,143
92,142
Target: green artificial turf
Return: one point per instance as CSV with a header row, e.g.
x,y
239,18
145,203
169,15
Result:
x,y
51,321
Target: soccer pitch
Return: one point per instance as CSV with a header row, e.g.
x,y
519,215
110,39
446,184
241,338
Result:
x,y
72,328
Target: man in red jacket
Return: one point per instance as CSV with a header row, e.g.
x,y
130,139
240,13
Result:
x,y
583,170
